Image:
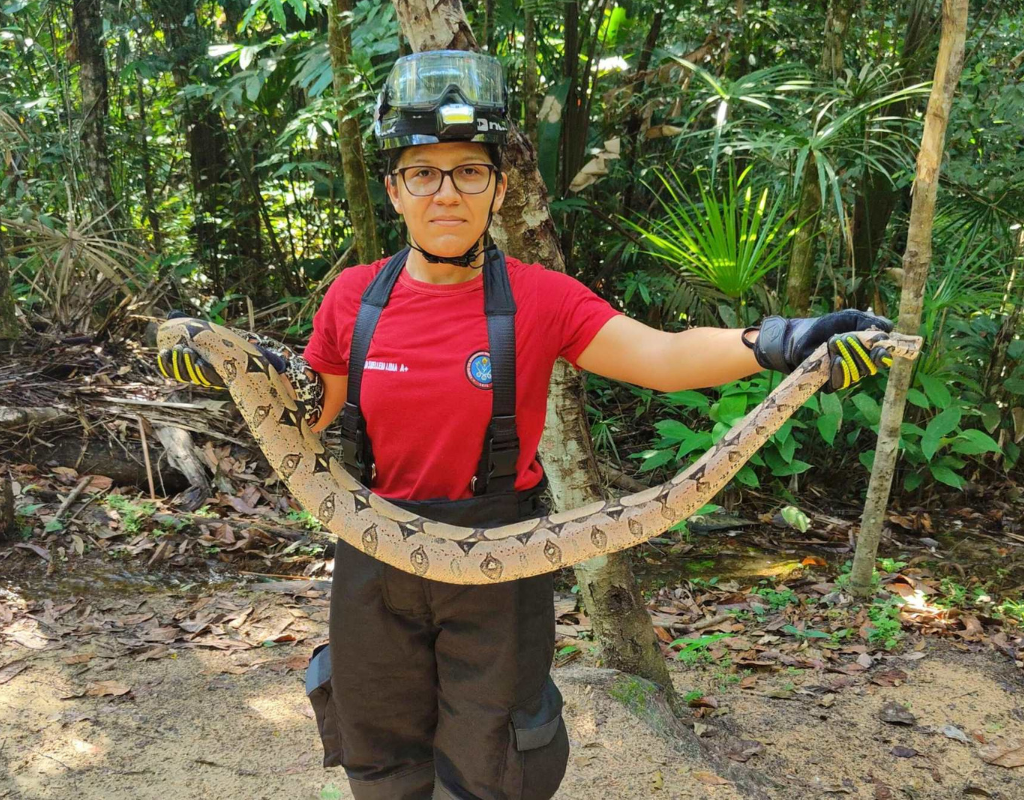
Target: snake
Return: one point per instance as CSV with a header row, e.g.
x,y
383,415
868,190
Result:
x,y
438,551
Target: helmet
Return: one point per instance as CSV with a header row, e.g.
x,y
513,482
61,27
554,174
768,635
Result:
x,y
443,96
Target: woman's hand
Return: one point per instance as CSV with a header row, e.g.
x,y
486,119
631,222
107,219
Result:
x,y
783,344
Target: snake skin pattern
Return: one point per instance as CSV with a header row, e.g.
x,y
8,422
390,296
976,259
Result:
x,y
462,555
305,382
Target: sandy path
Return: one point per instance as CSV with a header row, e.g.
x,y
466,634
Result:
x,y
202,722
190,728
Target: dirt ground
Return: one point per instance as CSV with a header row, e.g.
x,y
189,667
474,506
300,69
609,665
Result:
x,y
161,691
832,743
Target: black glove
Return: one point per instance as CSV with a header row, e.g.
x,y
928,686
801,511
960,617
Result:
x,y
182,363
783,344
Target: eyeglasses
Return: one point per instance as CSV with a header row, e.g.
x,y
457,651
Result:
x,y
467,178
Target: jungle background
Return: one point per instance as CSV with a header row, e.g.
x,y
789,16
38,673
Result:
x,y
704,163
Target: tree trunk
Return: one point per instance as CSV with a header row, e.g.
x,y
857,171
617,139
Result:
x,y
147,169
872,209
837,22
743,65
570,68
801,275
531,102
350,141
207,145
488,26
9,329
632,141
1013,300
582,73
621,623
801,255
205,137
435,25
524,228
92,81
6,506
877,198
916,261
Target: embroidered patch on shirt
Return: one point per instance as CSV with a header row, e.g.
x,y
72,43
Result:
x,y
478,369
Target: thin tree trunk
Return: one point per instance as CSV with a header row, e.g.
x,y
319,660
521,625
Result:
x,y
576,114
205,137
524,228
7,528
744,41
92,81
877,198
570,68
837,22
350,140
207,149
147,168
9,329
916,262
488,26
1013,299
634,122
531,102
800,276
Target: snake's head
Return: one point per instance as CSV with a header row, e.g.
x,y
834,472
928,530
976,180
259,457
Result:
x,y
172,332
901,344
180,330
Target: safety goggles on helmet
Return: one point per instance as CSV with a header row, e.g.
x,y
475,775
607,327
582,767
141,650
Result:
x,y
442,96
424,80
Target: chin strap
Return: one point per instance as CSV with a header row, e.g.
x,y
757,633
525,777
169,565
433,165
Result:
x,y
467,258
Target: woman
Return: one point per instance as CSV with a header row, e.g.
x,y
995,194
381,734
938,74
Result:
x,y
438,690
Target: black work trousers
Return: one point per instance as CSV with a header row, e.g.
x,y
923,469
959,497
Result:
x,y
438,690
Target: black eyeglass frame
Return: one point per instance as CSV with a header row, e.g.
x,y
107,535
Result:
x,y
450,173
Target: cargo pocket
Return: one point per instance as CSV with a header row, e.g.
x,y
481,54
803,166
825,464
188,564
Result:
x,y
318,690
539,746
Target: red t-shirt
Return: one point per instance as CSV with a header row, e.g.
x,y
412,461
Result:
x,y
426,392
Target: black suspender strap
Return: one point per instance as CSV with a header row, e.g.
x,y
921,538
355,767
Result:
x,y
357,454
496,470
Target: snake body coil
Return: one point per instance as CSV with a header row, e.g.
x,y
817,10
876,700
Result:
x,y
479,555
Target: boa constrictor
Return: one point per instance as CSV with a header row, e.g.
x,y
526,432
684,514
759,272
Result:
x,y
461,555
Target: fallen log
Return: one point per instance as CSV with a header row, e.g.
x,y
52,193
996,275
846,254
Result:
x,y
181,455
122,462
13,417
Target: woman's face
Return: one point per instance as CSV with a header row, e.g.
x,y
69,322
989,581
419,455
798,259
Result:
x,y
448,222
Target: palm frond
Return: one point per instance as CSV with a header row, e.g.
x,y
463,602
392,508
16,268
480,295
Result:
x,y
729,240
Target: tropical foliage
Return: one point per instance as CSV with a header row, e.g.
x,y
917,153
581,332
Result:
x,y
187,153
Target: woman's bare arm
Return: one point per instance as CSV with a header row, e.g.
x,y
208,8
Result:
x,y
627,350
335,392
